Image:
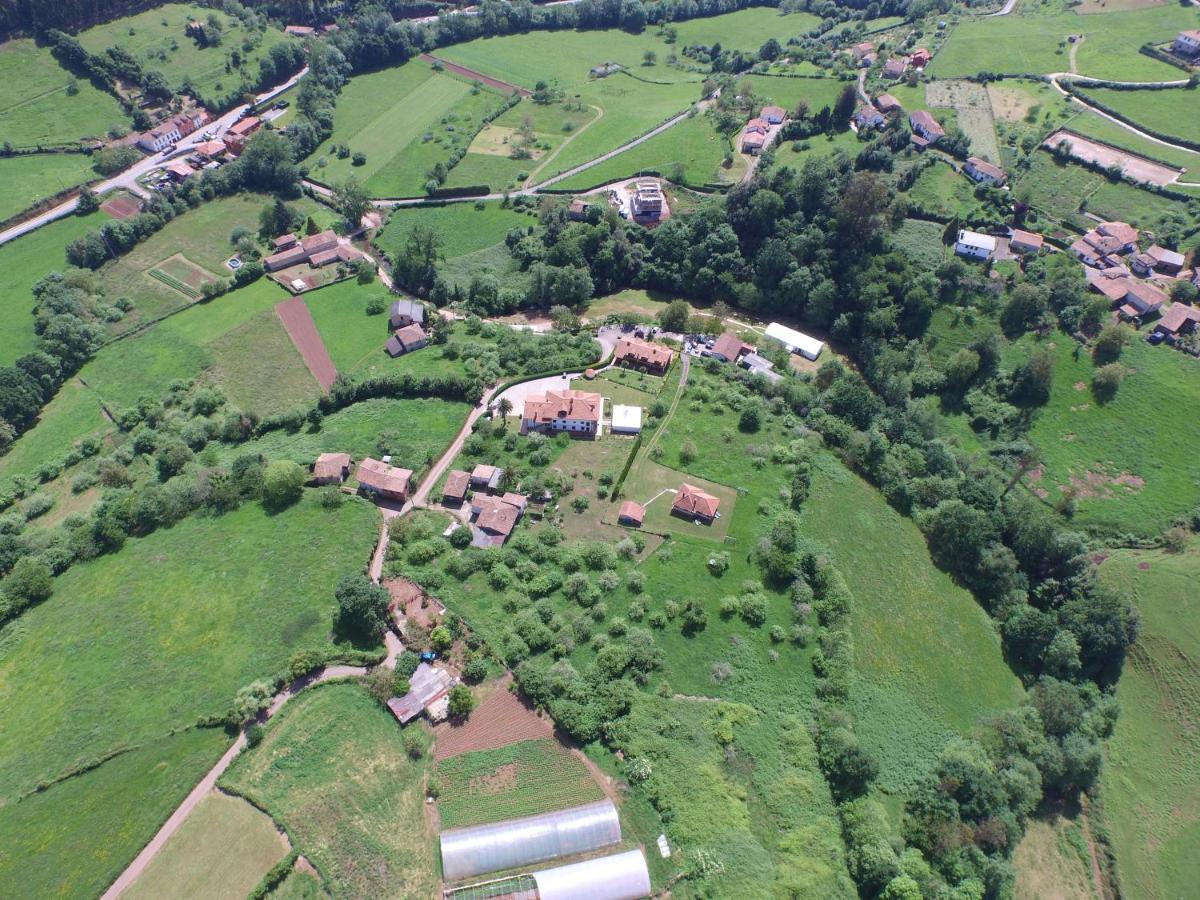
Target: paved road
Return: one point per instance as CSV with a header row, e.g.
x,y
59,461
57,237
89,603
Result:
x,y
128,179
1003,11
209,781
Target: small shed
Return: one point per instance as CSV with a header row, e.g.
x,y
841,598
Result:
x,y
455,490
632,514
331,468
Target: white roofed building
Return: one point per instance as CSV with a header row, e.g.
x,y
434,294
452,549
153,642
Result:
x,y
626,419
974,245
795,341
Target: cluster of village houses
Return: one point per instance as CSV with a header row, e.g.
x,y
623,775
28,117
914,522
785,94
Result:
x,y
761,130
866,55
208,154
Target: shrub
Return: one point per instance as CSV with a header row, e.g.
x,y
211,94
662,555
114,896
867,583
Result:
x,y
461,701
406,663
1106,380
283,483
362,607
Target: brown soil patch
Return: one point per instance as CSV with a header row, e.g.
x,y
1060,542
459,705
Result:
x,y
413,603
501,719
1080,385
122,206
1100,485
1098,558
1143,566
503,779
1139,168
299,324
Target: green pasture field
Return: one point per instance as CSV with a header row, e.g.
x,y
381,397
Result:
x,y
1150,786
72,415
412,431
494,260
353,338
795,153
157,39
921,242
463,228
22,263
73,839
1037,44
1134,434
1052,860
332,771
581,465
941,190
222,851
26,180
186,344
202,596
299,886
692,149
788,92
745,29
388,115
201,235
522,779
35,107
259,368
928,657
1092,125
1173,112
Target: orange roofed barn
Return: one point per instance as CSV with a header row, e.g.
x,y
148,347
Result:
x,y
376,477
577,412
693,503
635,353
331,468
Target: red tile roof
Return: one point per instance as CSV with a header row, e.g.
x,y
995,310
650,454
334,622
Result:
x,y
567,404
379,476
456,485
1177,317
642,352
730,346
1122,231
1026,238
331,465
316,243
633,512
694,502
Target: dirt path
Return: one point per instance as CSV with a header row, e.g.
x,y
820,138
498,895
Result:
x,y
475,76
299,324
1098,880
685,361
1071,54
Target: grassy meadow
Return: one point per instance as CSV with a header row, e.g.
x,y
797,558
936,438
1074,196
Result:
x,y
22,264
1052,860
222,851
36,107
1173,112
73,414
27,180
1036,43
1135,434
1150,786
258,367
333,773
157,38
522,779
745,29
405,120
73,839
462,227
1092,125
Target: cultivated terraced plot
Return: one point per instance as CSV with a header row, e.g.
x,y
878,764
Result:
x,y
36,106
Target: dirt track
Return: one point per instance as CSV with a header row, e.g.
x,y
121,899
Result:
x,y
301,328
1136,167
464,72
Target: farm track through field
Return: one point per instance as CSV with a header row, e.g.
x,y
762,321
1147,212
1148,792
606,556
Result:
x,y
299,324
559,149
475,76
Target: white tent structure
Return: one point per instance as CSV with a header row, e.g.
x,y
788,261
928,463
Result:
x,y
623,876
513,843
795,341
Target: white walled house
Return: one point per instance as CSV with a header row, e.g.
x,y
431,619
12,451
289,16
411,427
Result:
x,y
974,245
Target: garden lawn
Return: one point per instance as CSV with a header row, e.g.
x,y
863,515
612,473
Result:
x,y
1139,433
22,263
412,432
689,153
231,597
157,39
655,487
928,657
259,368
1037,44
185,345
404,119
222,851
1172,112
462,227
27,180
35,106
333,772
75,838
942,191
522,779
1150,785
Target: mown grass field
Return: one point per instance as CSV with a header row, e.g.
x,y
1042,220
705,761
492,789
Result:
x,y
412,431
26,180
1151,781
1172,112
654,485
157,39
745,29
137,626
333,772
405,119
1095,126
75,838
522,779
942,191
463,228
22,263
222,851
1036,43
258,367
689,153
35,107
1134,434
353,338
789,92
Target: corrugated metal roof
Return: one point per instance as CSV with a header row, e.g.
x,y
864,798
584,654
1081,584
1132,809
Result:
x,y
622,876
467,852
795,340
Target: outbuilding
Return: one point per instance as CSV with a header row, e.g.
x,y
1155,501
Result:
x,y
626,419
974,245
795,341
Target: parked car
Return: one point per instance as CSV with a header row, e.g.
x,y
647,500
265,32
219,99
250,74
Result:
x,y
428,656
